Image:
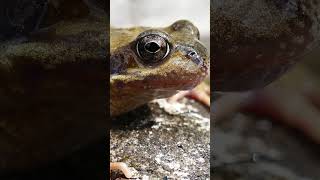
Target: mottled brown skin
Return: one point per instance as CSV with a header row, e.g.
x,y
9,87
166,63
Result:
x,y
254,42
133,84
52,91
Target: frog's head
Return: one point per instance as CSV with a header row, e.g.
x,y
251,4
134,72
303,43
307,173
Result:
x,y
155,62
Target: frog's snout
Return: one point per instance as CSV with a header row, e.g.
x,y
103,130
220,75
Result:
x,y
192,48
187,26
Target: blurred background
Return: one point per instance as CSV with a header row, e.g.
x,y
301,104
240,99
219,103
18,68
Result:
x,y
154,13
270,133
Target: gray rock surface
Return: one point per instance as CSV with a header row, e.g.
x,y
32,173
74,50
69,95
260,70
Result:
x,y
160,145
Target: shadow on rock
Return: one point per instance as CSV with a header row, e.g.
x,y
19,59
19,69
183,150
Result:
x,y
140,118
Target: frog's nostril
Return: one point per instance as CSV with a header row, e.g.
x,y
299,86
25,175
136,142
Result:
x,y
192,53
152,47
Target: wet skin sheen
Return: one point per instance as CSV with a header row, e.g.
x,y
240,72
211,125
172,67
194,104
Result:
x,y
148,63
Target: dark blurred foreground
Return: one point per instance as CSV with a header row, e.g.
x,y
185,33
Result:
x,y
273,133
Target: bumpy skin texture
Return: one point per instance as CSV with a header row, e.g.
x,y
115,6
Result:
x,y
52,91
133,83
255,41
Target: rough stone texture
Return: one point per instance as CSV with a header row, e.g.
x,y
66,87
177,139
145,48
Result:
x,y
160,145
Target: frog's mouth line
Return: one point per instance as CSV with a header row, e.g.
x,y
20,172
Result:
x,y
154,83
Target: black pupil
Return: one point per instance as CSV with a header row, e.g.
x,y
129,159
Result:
x,y
152,47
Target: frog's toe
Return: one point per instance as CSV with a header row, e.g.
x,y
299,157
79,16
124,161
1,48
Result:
x,y
123,168
201,94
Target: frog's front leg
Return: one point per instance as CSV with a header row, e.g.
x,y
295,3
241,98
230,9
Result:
x,y
201,93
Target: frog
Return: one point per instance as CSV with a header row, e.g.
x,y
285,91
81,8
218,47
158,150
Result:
x,y
255,45
150,63
49,76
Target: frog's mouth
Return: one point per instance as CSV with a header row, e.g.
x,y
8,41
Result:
x,y
185,68
183,75
159,60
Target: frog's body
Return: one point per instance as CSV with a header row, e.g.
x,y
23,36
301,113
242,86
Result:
x,y
255,42
135,81
52,91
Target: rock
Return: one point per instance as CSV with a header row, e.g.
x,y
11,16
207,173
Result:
x,y
161,145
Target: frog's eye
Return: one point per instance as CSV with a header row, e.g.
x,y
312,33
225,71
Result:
x,y
152,48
